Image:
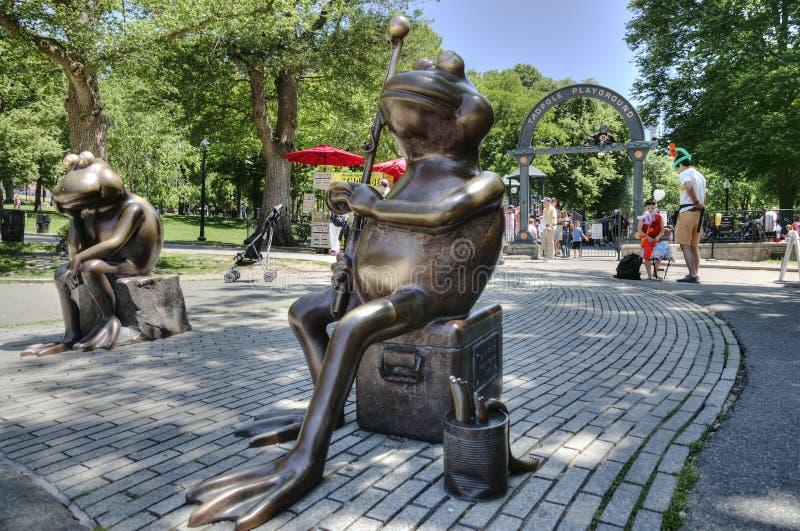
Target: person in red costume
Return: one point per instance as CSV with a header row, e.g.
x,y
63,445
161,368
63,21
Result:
x,y
651,229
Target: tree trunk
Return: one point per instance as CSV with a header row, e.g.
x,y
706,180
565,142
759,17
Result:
x,y
8,184
87,119
277,178
37,203
787,189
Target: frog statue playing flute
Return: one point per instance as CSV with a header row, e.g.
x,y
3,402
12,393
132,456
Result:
x,y
426,253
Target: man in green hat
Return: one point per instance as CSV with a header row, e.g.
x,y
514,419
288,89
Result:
x,y
690,215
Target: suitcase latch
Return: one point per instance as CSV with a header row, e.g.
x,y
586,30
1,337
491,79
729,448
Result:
x,y
402,366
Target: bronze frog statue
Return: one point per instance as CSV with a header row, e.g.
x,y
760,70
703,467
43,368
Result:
x,y
426,253
110,231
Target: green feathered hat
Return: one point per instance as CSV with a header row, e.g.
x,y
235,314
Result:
x,y
679,154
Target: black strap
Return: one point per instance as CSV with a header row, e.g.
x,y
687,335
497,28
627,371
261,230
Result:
x,y
694,209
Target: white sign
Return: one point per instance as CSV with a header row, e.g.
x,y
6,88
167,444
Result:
x,y
322,181
597,231
308,202
792,244
319,235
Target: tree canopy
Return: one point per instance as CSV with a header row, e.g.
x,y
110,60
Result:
x,y
257,79
723,78
32,129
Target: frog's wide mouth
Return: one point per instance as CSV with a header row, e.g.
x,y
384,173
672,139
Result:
x,y
68,201
425,99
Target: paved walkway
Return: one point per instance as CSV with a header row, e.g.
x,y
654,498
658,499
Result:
x,y
750,468
608,381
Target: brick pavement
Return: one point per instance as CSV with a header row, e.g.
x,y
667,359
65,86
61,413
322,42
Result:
x,y
608,382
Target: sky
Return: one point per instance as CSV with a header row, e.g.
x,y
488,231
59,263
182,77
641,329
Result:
x,y
579,39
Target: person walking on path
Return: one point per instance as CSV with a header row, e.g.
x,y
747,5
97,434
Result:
x,y
690,216
578,237
533,228
566,236
651,228
557,229
550,222
511,224
335,224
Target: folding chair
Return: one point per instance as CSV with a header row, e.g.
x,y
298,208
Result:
x,y
668,260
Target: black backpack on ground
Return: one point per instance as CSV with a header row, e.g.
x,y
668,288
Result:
x,y
628,267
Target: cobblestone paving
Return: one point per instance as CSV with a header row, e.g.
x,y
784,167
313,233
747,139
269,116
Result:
x,y
608,382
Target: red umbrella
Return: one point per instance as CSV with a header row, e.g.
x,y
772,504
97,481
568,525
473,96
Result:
x,y
324,155
396,167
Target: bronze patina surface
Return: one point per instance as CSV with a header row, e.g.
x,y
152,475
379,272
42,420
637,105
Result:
x,y
111,231
426,252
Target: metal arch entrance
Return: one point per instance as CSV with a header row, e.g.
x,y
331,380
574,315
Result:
x,y
637,148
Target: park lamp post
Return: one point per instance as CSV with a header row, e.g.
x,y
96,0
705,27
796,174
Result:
x,y
204,147
726,184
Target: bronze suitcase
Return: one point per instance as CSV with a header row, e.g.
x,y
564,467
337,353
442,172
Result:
x,y
402,384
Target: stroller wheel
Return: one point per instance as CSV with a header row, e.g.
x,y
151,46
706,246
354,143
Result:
x,y
237,274
269,276
231,276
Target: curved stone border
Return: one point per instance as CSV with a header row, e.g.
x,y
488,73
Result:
x,y
607,381
81,517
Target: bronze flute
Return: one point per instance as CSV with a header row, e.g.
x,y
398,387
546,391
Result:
x,y
398,28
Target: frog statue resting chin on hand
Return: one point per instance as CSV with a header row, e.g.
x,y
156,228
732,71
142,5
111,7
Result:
x,y
110,231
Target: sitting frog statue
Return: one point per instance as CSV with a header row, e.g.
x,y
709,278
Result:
x,y
425,253
111,231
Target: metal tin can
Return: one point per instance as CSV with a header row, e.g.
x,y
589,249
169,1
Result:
x,y
476,457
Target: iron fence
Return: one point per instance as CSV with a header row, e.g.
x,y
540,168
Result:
x,y
605,235
762,225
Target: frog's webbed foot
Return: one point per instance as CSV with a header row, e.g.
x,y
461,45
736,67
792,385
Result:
x,y
276,427
48,349
253,495
519,466
273,427
103,335
44,349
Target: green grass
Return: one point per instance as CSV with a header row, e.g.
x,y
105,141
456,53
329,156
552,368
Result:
x,y
190,264
688,476
176,228
36,260
28,259
217,230
39,260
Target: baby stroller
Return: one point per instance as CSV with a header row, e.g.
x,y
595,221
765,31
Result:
x,y
252,251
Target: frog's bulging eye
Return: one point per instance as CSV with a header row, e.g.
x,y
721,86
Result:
x,y
86,158
70,160
423,64
451,62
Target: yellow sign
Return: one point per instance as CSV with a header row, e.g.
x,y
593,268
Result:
x,y
350,176
354,177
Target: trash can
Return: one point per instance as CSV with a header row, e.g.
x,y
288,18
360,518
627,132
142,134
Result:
x,y
42,223
12,225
